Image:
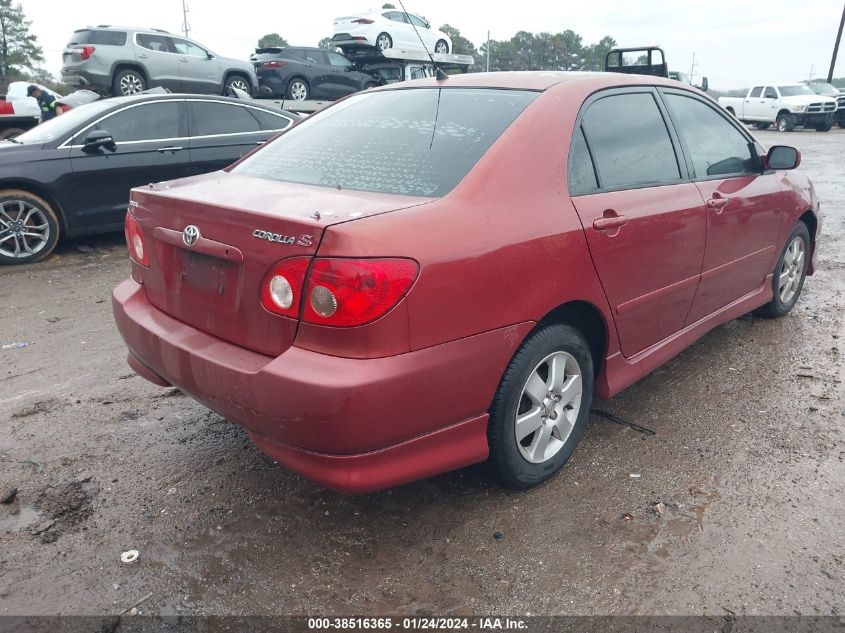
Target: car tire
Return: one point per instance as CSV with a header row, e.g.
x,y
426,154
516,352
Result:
x,y
442,47
128,82
824,127
384,41
298,89
19,211
762,126
785,122
11,132
236,81
368,85
520,458
789,273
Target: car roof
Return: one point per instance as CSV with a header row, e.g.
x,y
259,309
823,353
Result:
x,y
118,101
540,80
114,27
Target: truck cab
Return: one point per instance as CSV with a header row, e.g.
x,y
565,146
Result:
x,y
788,105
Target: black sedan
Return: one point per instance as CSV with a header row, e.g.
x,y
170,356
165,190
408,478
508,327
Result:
x,y
71,176
301,73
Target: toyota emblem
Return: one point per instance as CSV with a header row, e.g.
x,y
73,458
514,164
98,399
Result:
x,y
191,235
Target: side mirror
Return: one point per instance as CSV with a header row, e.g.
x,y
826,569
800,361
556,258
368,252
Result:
x,y
705,85
99,139
209,55
782,157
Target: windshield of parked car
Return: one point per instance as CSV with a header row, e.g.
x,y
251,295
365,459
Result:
x,y
63,124
418,142
794,91
822,88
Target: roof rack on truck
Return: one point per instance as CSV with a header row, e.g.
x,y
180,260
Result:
x,y
639,60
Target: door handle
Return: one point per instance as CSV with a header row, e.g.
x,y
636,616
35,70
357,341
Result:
x,y
143,55
172,150
183,59
609,222
261,142
717,204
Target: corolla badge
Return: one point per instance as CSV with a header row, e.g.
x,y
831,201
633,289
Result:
x,y
302,240
191,235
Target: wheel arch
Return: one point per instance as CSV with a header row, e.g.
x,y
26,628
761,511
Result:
x,y
126,65
237,72
588,320
43,193
783,111
812,222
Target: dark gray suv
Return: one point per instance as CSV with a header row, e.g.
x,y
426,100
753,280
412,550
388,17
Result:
x,y
126,61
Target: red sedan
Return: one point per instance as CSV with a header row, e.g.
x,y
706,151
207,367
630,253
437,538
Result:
x,y
440,273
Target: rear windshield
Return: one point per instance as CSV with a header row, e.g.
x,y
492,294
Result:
x,y
103,38
418,142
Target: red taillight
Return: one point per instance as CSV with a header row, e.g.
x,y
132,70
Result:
x,y
350,292
281,290
87,51
135,241
274,64
362,21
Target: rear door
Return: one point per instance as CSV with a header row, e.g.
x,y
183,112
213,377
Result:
x,y
343,78
745,207
198,72
151,147
644,220
157,55
753,103
222,132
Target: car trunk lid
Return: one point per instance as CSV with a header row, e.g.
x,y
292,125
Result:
x,y
212,281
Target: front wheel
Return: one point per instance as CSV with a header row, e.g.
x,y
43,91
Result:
x,y
789,274
824,127
785,122
541,407
442,46
29,228
762,126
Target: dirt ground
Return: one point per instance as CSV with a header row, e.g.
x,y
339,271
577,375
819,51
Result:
x,y
748,460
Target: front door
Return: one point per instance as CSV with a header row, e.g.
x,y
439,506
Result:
x,y
150,148
198,72
158,57
744,206
645,226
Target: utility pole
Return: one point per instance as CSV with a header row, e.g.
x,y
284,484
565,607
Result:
x,y
185,28
836,47
488,50
692,68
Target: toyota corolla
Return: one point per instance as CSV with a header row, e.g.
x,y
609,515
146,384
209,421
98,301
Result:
x,y
439,273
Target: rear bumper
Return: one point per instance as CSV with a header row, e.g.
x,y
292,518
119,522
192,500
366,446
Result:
x,y
349,424
85,79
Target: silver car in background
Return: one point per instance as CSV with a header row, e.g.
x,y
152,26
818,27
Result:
x,y
126,61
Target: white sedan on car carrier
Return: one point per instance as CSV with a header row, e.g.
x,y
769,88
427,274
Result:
x,y
388,29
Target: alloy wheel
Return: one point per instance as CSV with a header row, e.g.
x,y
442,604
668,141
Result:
x,y
240,84
791,270
131,85
298,91
548,407
24,229
384,42
441,47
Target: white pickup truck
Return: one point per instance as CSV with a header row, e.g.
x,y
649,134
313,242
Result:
x,y
789,105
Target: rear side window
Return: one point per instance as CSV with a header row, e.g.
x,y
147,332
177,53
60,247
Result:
x,y
270,121
757,92
716,146
209,119
629,141
582,176
147,122
418,142
101,38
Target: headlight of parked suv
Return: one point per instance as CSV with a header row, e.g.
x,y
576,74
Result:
x,y
798,108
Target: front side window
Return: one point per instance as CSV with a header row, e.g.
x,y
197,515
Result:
x,y
210,119
159,43
189,48
629,141
147,122
716,146
336,59
417,142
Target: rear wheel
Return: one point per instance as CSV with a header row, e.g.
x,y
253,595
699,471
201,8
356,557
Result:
x,y
789,274
541,407
762,126
384,41
785,122
442,46
29,228
128,82
298,89
236,81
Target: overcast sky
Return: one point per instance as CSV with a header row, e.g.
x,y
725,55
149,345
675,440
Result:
x,y
736,42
